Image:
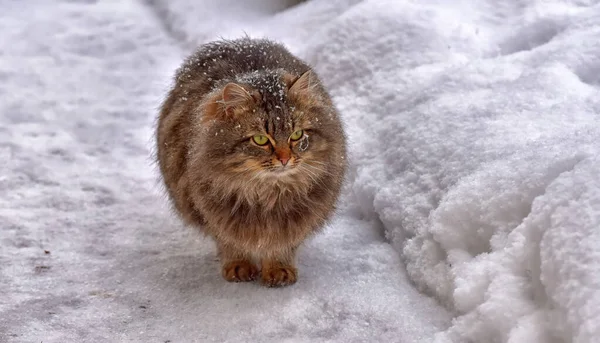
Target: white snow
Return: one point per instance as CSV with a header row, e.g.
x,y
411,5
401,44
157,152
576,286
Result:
x,y
472,212
475,135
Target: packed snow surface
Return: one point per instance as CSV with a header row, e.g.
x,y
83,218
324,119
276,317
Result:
x,y
471,212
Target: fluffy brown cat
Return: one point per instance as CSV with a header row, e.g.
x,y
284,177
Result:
x,y
252,151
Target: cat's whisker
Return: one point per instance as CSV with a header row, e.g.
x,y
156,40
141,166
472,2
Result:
x,y
317,163
317,169
312,175
317,174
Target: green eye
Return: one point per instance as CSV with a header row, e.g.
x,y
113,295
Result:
x,y
260,139
297,135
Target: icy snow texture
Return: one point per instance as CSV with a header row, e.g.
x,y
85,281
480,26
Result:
x,y
195,22
474,132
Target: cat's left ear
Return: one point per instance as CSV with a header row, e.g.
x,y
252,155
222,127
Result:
x,y
305,88
303,85
236,97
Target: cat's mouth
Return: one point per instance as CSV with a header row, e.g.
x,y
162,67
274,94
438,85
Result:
x,y
283,170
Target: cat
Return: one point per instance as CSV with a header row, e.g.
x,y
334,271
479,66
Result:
x,y
252,151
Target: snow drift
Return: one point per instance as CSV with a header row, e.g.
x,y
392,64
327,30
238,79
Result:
x,y
476,143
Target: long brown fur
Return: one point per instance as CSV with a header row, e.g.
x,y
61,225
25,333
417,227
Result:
x,y
241,194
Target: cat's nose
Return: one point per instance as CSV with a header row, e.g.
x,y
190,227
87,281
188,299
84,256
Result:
x,y
284,159
283,155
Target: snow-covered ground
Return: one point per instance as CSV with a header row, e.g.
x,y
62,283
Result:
x,y
471,214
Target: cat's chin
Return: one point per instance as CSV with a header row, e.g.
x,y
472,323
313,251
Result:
x,y
283,171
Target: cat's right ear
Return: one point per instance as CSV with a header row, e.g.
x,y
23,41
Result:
x,y
236,97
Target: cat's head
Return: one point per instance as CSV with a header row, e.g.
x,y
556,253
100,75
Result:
x,y
272,125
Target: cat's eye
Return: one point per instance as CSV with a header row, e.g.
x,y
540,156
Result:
x,y
260,139
297,135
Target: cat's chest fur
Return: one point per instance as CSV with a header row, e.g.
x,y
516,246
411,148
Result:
x,y
278,212
266,204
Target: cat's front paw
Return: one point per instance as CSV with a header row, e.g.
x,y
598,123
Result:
x,y
239,271
279,276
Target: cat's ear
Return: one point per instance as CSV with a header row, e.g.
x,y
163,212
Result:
x,y
236,97
303,86
228,102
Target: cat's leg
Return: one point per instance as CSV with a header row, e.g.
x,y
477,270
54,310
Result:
x,y
279,270
236,266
